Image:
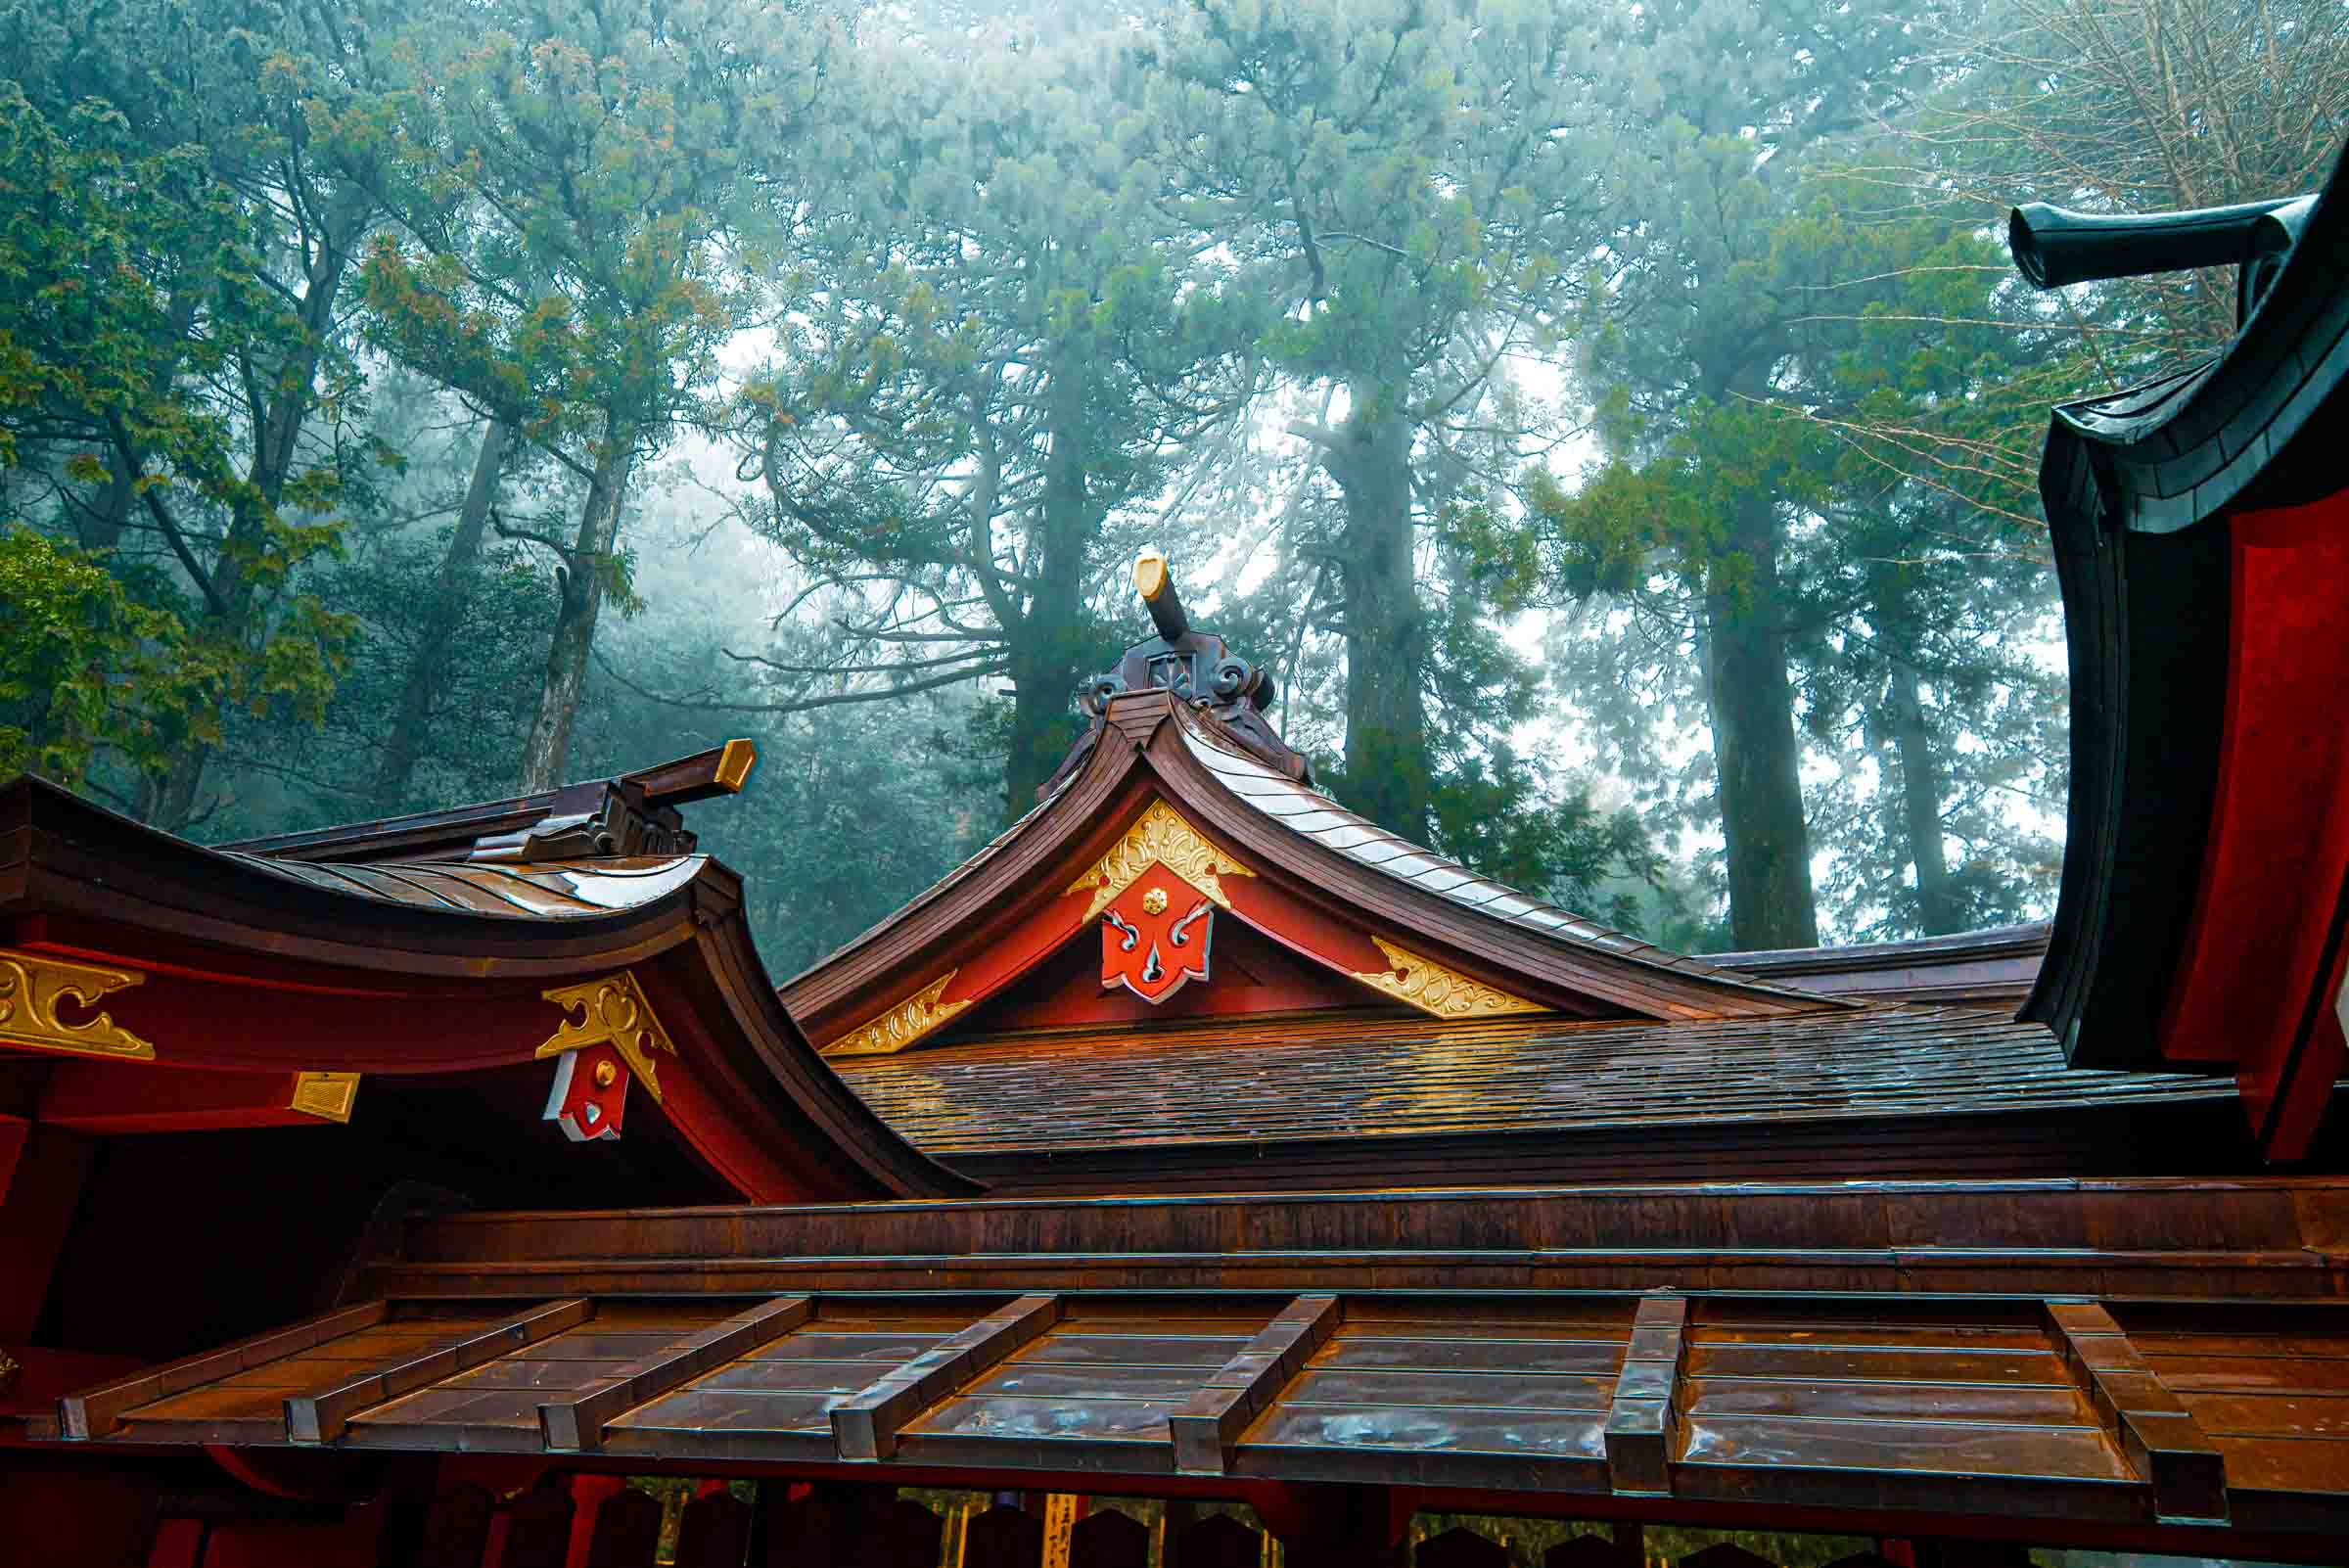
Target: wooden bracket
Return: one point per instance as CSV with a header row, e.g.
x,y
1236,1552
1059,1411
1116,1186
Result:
x,y
577,1420
2164,1444
321,1417
1643,1417
95,1412
1211,1420
865,1425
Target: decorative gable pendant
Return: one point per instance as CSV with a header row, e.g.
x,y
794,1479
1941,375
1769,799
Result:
x,y
612,1040
1155,936
591,1097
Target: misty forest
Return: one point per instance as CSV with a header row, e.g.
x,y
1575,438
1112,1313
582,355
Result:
x,y
1612,423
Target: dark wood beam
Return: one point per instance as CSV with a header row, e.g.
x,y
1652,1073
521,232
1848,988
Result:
x,y
2166,1445
2271,1237
321,1417
1212,1420
577,1420
704,775
1643,1421
96,1412
865,1425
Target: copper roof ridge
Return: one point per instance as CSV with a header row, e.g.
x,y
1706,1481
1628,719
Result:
x,y
1633,949
358,879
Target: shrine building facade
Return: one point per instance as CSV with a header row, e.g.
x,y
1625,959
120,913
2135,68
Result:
x,y
397,1194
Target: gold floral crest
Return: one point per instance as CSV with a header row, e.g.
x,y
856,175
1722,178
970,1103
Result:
x,y
612,1011
1159,837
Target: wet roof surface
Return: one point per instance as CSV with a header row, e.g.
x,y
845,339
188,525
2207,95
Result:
x,y
1274,1078
545,889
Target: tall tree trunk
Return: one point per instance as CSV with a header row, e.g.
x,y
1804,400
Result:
x,y
1937,902
425,669
546,751
1387,767
1051,654
1754,747
290,395
100,527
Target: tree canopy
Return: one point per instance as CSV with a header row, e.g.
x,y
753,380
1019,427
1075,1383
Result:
x,y
1612,427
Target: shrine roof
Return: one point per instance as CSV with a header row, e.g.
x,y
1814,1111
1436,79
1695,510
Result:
x,y
1996,966
1840,1350
1311,815
257,967
1320,880
2199,529
1275,1078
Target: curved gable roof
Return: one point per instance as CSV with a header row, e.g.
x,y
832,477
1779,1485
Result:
x,y
244,961
1319,870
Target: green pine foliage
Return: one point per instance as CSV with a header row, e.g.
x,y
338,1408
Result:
x,y
1612,425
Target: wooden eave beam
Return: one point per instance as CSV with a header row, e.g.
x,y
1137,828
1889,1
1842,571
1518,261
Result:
x,y
97,1413
2279,1237
578,1422
2165,1445
323,1416
865,1425
1210,1422
703,776
1643,1416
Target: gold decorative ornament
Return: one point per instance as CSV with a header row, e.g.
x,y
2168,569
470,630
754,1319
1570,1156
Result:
x,y
1438,991
31,984
734,766
901,1026
605,1075
1155,901
328,1096
612,1011
1159,837
8,1375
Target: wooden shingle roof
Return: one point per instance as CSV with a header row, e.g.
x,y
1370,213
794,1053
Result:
x,y
1279,1080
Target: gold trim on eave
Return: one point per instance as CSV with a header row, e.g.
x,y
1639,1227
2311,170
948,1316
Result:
x,y
328,1096
612,1011
901,1025
31,984
1159,837
1438,991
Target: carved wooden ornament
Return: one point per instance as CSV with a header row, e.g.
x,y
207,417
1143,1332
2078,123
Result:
x,y
589,1099
894,1028
1159,840
612,1040
1155,936
1439,990
31,987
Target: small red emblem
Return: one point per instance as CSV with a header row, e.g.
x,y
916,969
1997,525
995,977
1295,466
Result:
x,y
1155,935
590,1096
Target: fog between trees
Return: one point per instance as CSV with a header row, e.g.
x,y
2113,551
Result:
x,y
1614,424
